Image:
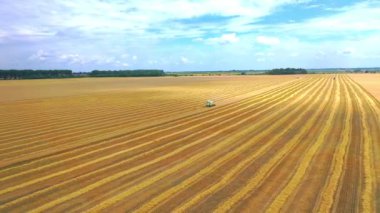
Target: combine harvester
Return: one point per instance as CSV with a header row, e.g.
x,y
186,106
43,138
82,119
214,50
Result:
x,y
210,103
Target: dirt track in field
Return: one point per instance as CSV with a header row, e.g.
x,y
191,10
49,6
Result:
x,y
272,143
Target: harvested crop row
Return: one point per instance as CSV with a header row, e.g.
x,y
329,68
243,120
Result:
x,y
106,184
226,178
121,100
310,144
207,117
117,123
99,122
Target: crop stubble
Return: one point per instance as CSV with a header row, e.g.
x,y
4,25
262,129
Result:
x,y
272,144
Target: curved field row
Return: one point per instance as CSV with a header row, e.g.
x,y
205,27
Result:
x,y
191,119
37,130
129,113
293,143
102,150
165,135
279,167
251,136
123,173
309,144
83,123
307,157
95,122
76,156
219,164
118,99
121,106
371,108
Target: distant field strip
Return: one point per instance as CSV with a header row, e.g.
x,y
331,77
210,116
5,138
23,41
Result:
x,y
308,143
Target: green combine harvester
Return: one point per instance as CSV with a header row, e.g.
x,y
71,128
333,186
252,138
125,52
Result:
x,y
210,103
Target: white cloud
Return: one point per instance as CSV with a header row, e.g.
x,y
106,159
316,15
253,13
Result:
x,y
134,16
78,59
31,32
314,6
267,40
72,58
224,39
185,60
102,31
360,17
40,55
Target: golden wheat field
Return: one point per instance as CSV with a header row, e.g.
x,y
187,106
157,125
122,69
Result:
x,y
306,143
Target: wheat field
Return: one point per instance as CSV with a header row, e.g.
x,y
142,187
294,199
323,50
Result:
x,y
305,143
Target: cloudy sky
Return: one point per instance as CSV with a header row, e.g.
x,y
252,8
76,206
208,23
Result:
x,y
181,35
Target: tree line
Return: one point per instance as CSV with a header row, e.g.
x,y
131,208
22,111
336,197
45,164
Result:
x,y
34,74
44,74
127,73
287,71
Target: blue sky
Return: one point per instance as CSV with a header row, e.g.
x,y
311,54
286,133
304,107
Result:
x,y
184,35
